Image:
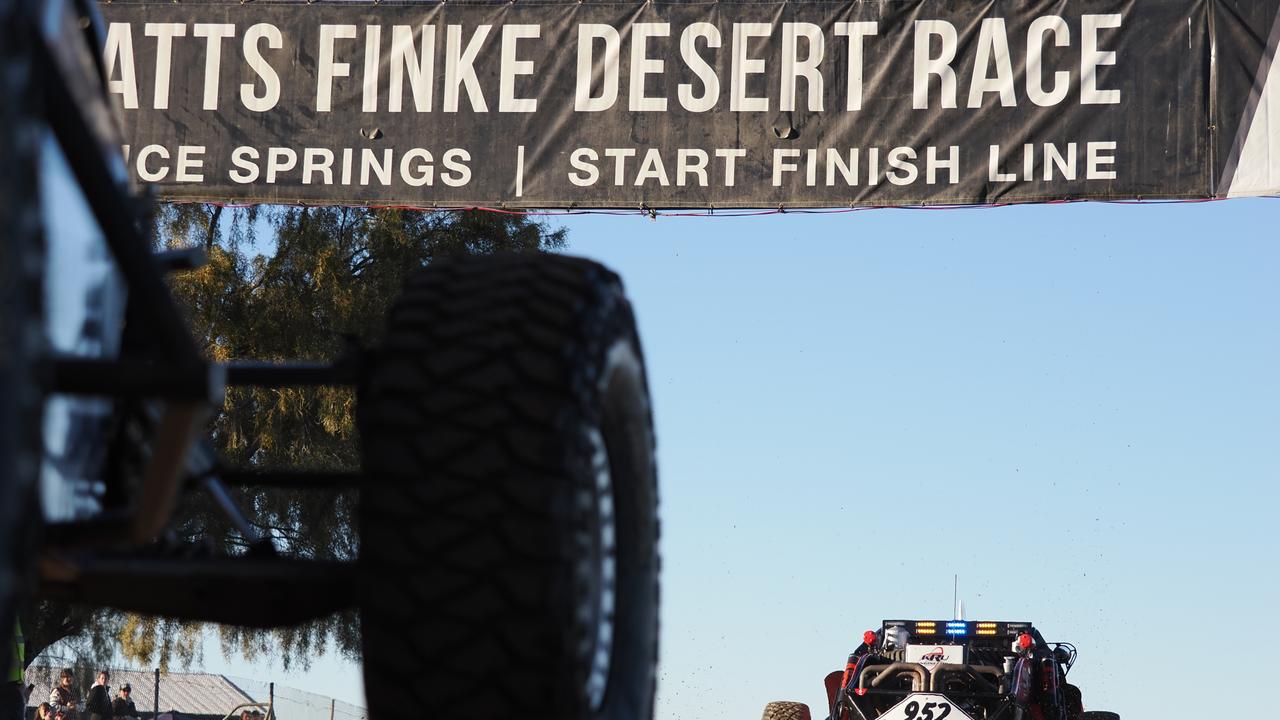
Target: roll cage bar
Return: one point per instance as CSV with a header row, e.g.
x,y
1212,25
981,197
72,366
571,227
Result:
x,y
101,560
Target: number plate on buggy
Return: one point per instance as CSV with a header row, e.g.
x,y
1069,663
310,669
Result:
x,y
925,706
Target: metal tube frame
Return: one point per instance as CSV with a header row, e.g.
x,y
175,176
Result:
x,y
167,368
923,680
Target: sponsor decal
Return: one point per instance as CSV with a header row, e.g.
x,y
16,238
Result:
x,y
933,655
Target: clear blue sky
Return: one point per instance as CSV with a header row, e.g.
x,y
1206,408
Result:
x,y
1075,408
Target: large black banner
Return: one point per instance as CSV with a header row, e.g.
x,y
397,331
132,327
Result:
x,y
538,103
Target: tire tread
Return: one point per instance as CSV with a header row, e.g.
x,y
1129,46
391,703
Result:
x,y
461,421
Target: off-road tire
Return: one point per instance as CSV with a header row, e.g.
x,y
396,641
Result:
x,y
508,454
1099,715
785,710
21,268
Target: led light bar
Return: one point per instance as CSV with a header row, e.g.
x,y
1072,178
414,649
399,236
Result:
x,y
959,629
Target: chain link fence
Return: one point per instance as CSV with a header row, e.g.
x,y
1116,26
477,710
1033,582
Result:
x,y
294,704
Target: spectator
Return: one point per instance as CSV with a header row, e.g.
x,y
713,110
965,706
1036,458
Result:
x,y
63,697
244,714
98,704
122,708
44,711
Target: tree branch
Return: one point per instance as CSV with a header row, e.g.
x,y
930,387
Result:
x,y
211,236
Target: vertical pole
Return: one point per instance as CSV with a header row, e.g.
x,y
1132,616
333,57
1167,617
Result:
x,y
155,697
271,701
332,704
955,596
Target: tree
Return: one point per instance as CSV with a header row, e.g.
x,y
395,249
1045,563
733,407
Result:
x,y
326,282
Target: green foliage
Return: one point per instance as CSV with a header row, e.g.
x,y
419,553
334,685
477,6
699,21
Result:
x,y
323,281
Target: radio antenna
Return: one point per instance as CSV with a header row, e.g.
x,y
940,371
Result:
x,y
955,596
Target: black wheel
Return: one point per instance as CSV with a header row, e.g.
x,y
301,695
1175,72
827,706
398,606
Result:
x,y
786,710
1099,715
509,520
21,253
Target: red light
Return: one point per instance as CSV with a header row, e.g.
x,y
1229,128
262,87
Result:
x,y
869,637
859,691
1025,642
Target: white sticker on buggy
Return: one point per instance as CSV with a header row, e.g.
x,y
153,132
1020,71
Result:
x,y
931,656
925,706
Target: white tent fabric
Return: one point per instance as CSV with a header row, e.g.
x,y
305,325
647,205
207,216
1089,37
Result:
x,y
1258,167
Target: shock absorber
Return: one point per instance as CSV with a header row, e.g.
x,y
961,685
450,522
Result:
x,y
1020,684
1050,688
850,671
855,660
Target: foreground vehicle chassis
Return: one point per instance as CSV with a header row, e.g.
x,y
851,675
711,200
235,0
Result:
x,y
507,512
508,489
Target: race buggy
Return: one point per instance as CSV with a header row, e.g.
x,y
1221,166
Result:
x,y
951,670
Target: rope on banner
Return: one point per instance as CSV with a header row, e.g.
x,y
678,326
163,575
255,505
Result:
x,y
654,214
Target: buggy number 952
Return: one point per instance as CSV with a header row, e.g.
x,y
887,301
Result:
x,y
926,711
924,706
